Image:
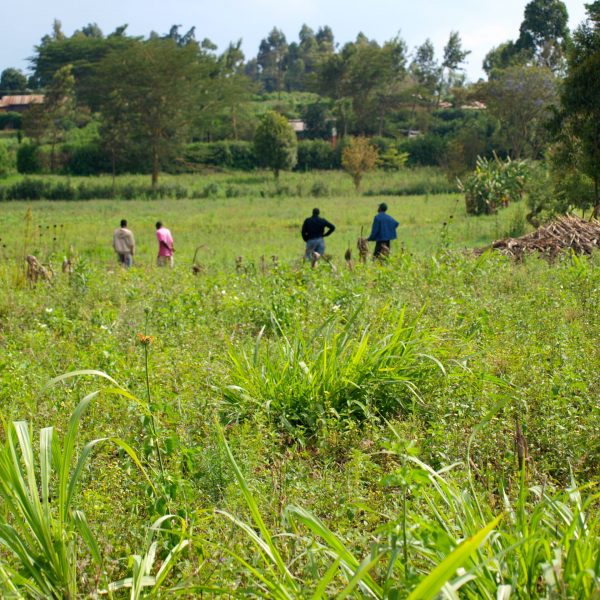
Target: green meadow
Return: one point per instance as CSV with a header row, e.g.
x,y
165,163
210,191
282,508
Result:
x,y
421,427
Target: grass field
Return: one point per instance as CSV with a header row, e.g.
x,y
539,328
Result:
x,y
425,425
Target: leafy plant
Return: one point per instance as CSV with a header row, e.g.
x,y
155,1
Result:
x,y
494,184
306,378
40,526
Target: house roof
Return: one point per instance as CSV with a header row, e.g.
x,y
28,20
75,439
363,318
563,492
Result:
x,y
24,100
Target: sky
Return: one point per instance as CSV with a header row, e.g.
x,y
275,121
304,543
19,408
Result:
x,y
482,24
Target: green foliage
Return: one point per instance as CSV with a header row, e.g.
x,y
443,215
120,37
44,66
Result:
x,y
275,143
316,155
7,160
231,155
28,159
10,120
518,342
493,185
359,156
424,150
306,378
522,99
392,160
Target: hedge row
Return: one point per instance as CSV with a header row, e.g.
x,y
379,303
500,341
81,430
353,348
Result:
x,y
91,159
42,189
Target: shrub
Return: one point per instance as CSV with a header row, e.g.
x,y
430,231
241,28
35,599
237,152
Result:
x,y
494,184
359,157
315,154
89,159
28,189
29,159
7,161
10,120
425,150
319,189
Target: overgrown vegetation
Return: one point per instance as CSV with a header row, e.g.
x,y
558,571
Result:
x,y
446,402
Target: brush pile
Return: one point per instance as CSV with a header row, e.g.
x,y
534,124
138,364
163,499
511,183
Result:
x,y
565,233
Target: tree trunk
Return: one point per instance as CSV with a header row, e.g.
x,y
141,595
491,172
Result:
x,y
154,166
596,210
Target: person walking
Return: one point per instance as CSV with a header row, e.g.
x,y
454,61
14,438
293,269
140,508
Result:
x,y
124,244
165,246
313,232
383,231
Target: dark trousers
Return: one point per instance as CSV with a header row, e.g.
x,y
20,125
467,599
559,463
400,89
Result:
x,y
382,248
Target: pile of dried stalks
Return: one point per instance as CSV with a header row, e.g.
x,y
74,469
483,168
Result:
x,y
565,233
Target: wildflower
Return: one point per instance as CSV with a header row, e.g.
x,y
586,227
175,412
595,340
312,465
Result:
x,y
145,340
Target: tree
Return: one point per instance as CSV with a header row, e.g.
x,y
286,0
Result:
x,y
271,60
275,143
543,39
155,87
12,80
358,158
84,51
521,99
544,33
580,99
454,57
425,69
364,80
51,120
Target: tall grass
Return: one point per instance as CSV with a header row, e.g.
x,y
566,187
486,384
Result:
x,y
546,546
302,379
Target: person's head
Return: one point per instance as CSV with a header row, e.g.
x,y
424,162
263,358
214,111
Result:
x,y
123,222
316,212
382,207
158,224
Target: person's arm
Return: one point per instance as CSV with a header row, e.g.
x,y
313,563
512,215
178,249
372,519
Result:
x,y
330,228
374,231
304,232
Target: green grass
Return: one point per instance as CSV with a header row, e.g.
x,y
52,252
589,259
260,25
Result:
x,y
407,457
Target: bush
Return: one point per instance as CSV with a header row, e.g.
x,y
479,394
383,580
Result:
x,y
319,189
316,154
28,189
7,160
29,159
89,159
425,150
10,120
494,184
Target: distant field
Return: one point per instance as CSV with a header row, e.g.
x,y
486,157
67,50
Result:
x,y
249,224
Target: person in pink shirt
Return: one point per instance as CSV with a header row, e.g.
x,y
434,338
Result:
x,y
165,246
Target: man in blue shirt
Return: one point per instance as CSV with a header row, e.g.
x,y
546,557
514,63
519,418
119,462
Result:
x,y
313,232
383,231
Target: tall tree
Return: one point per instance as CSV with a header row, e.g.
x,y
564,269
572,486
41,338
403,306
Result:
x,y
543,39
51,120
83,51
366,78
12,80
580,97
271,59
521,98
544,32
454,57
155,86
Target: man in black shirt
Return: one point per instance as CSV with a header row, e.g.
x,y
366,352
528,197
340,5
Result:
x,y
313,232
